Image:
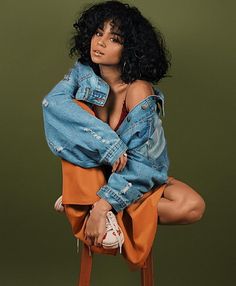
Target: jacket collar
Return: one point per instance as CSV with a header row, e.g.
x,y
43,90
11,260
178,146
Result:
x,y
92,88
95,90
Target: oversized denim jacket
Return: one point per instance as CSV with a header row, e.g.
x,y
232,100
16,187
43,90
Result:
x,y
83,139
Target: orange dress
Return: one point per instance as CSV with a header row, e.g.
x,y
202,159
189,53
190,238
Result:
x,y
138,221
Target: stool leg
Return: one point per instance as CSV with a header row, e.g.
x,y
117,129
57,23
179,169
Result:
x,y
85,266
147,274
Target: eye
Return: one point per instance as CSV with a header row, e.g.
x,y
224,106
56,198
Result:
x,y
97,33
115,39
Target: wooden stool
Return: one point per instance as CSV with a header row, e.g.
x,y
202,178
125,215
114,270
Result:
x,y
147,275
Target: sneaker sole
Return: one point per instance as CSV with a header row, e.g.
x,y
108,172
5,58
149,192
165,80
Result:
x,y
106,245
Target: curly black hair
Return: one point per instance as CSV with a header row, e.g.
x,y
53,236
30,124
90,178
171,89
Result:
x,y
144,55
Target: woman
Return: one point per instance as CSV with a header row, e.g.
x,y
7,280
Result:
x,y
123,49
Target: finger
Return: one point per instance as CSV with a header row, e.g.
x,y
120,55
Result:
x,y
89,240
119,167
96,242
86,219
114,167
100,239
93,237
123,162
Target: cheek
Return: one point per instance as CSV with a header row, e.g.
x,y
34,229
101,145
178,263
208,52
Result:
x,y
117,52
92,41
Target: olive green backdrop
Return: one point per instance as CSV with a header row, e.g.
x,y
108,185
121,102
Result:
x,y
37,246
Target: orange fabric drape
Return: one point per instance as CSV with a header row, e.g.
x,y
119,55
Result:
x,y
138,221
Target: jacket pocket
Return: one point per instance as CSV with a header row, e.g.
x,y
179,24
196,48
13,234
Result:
x,y
154,142
140,135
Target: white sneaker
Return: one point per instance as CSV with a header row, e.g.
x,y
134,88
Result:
x,y
114,236
58,206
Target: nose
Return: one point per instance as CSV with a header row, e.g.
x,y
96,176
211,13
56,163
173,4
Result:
x,y
101,43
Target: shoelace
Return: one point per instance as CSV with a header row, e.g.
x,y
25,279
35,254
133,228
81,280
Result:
x,y
77,247
113,224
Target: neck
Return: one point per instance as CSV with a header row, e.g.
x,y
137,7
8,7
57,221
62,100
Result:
x,y
111,75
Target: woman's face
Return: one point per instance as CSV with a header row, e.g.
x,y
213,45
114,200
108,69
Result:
x,y
106,46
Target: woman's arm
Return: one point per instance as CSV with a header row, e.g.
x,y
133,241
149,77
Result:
x,y
72,133
124,188
147,165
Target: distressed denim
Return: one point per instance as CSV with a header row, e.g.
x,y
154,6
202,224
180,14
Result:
x,y
82,139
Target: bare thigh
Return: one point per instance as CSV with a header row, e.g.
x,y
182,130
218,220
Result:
x,y
180,203
180,191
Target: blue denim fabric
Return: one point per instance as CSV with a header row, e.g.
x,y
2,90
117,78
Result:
x,y
82,139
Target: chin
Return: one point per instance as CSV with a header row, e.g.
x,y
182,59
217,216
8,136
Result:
x,y
96,61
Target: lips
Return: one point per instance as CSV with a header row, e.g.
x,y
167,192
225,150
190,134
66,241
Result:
x,y
98,51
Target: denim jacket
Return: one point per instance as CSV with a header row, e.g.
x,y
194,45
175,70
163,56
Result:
x,y
83,139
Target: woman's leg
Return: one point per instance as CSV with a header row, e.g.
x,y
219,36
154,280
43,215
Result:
x,y
180,204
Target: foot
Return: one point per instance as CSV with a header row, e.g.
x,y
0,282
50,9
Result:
x,y
114,236
58,206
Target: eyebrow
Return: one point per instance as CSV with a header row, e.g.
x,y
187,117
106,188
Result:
x,y
113,33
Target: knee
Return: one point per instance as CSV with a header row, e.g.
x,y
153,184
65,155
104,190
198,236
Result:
x,y
192,211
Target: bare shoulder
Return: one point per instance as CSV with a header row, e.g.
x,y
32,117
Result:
x,y
137,91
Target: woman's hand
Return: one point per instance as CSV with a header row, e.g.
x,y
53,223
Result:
x,y
120,163
96,225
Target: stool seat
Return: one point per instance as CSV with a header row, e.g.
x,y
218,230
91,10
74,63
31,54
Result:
x,y
147,273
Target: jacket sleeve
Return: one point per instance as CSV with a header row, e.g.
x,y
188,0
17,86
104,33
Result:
x,y
147,167
72,133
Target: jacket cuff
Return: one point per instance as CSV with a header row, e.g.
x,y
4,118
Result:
x,y
118,199
114,152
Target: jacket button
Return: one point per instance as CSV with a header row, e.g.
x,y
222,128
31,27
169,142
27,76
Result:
x,y
45,102
144,106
